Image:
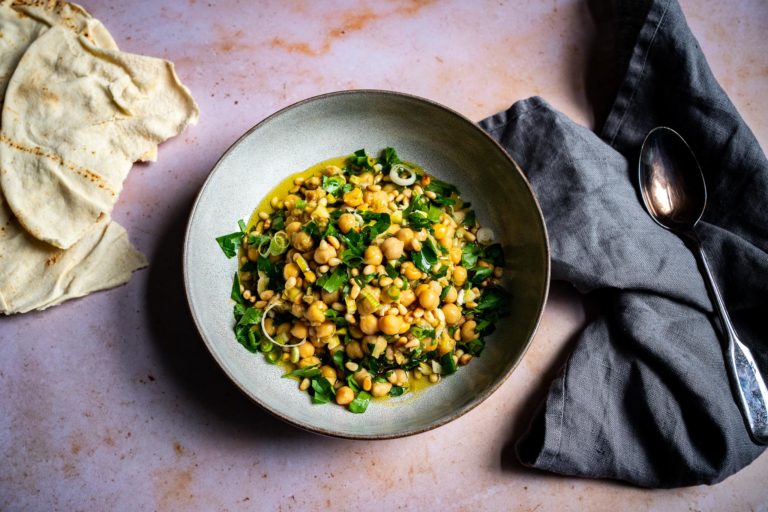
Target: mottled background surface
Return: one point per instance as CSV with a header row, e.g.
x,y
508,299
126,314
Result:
x,y
111,402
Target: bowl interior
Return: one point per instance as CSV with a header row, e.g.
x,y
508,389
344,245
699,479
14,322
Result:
x,y
448,146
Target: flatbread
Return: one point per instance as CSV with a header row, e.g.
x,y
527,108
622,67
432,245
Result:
x,y
35,275
22,22
74,120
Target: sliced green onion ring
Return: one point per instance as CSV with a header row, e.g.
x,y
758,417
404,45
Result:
x,y
264,329
394,175
279,243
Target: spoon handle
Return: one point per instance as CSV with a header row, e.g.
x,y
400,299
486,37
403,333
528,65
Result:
x,y
746,380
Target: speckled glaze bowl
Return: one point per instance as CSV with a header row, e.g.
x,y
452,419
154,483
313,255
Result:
x,y
448,146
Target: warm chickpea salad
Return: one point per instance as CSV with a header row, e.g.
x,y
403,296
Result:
x,y
365,277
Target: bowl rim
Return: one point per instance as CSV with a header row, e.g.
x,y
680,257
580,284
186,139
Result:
x,y
477,400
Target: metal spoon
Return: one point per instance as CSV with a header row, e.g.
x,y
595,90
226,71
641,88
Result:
x,y
675,195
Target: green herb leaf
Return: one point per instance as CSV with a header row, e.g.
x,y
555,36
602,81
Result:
x,y
360,159
469,255
333,184
376,224
352,383
338,359
426,257
441,188
389,158
309,372
278,220
360,403
493,299
330,282
474,347
495,254
323,391
396,391
235,295
251,316
391,270
422,332
416,212
352,256
481,274
230,243
443,201
439,272
241,225
448,364
470,219
246,338
433,214
275,274
311,229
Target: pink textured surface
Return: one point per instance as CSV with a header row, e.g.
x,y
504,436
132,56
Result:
x,y
112,403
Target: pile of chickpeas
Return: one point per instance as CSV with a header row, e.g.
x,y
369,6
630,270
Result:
x,y
380,314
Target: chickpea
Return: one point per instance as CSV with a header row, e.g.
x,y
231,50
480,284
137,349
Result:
x,y
405,235
329,373
316,312
380,389
354,350
293,227
452,313
354,197
440,230
253,253
306,350
446,242
410,271
300,330
468,331
390,324
429,299
325,329
308,361
301,241
459,276
372,255
407,297
369,324
421,288
455,255
330,297
290,270
344,395
392,248
324,252
347,222
446,344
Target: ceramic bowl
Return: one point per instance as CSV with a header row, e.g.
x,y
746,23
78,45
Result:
x,y
448,146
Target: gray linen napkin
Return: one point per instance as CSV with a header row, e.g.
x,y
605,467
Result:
x,y
645,397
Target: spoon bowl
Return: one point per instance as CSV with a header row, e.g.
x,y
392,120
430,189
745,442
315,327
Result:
x,y
671,182
674,193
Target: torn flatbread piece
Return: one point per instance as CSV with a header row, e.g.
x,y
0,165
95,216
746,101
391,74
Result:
x,y
35,275
22,22
74,120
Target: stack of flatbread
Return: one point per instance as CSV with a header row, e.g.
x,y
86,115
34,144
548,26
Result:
x,y
76,114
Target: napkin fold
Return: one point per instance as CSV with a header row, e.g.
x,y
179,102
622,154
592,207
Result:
x,y
645,397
